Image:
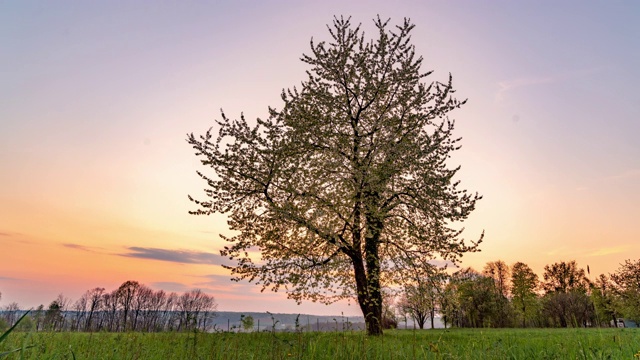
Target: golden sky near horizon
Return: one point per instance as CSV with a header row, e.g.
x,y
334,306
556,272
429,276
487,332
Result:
x,y
96,101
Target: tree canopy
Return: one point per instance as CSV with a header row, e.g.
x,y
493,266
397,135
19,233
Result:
x,y
347,185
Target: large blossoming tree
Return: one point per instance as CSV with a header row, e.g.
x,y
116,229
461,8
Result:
x,y
347,186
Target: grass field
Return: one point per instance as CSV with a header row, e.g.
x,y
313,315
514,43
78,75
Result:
x,y
398,344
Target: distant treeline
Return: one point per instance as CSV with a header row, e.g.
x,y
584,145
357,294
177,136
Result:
x,y
514,296
131,307
499,296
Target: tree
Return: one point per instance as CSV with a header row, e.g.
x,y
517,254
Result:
x,y
193,305
10,313
566,301
413,302
421,295
94,301
524,283
477,300
626,281
564,277
247,322
605,299
389,317
448,302
80,311
53,316
126,295
348,182
499,272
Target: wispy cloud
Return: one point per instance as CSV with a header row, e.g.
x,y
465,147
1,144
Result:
x,y
170,286
224,284
216,278
4,278
608,251
177,256
625,175
510,85
558,251
82,247
4,234
567,251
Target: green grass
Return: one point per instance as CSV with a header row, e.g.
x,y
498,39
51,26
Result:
x,y
399,344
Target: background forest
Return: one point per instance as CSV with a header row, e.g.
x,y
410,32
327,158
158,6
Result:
x,y
499,296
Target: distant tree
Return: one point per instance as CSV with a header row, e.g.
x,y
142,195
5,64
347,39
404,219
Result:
x,y
421,293
110,303
171,313
126,295
53,319
247,322
564,277
566,301
80,311
38,316
348,181
449,303
626,281
153,313
94,298
605,300
139,304
573,308
10,313
26,324
476,300
389,316
193,305
498,271
524,283
416,306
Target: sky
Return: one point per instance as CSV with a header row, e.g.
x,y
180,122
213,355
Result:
x,y
96,99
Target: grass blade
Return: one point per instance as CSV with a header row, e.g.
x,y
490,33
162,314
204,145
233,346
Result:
x,y
6,333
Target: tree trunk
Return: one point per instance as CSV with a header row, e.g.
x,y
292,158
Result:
x,y
369,299
421,319
432,315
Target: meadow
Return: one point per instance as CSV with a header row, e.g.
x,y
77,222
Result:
x,y
395,344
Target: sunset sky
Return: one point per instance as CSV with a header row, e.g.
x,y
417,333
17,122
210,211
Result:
x,y
96,99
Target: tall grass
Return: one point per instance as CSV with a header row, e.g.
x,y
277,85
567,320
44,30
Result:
x,y
5,335
398,344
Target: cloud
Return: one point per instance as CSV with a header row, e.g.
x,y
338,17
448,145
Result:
x,y
177,256
625,175
509,85
4,278
557,251
4,234
170,286
82,247
224,284
609,251
566,251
